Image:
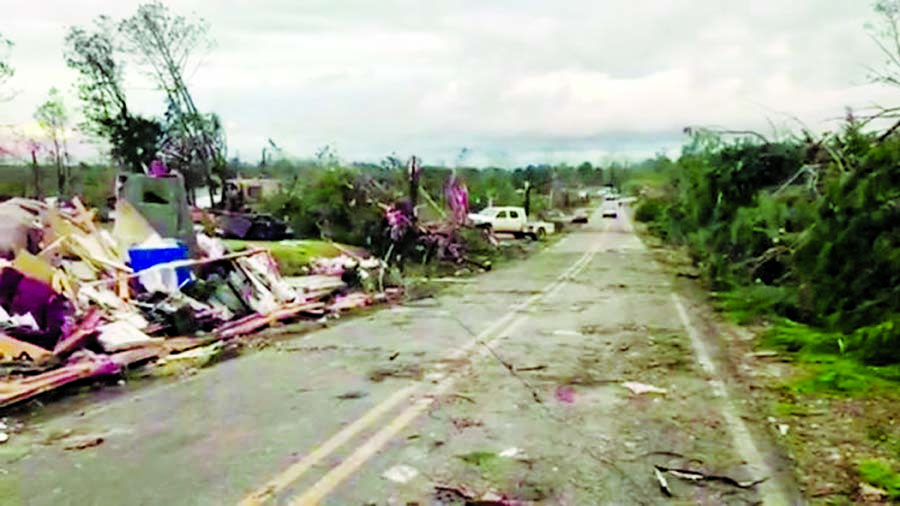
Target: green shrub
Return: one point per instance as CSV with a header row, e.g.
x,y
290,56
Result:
x,y
751,302
790,336
878,344
882,475
650,210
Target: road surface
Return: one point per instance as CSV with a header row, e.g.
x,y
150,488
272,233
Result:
x,y
563,379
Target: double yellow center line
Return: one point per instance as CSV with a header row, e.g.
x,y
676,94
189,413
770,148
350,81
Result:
x,y
417,406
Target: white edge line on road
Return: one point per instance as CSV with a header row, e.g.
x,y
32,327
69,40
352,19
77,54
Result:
x,y
290,475
770,492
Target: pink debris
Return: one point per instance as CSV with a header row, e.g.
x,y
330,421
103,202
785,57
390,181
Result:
x,y
158,168
458,200
565,394
399,219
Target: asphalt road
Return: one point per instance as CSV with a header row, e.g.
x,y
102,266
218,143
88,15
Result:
x,y
514,385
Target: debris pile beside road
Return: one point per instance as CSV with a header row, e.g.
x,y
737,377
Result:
x,y
79,301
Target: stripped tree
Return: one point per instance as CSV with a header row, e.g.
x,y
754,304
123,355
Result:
x,y
92,53
887,36
164,44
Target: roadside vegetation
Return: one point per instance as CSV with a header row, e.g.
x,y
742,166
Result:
x,y
794,232
798,239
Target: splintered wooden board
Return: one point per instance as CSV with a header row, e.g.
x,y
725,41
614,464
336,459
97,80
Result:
x,y
15,391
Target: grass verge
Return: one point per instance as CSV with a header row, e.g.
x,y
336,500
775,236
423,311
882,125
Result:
x,y
293,256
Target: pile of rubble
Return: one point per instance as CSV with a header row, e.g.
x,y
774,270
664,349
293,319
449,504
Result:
x,y
78,300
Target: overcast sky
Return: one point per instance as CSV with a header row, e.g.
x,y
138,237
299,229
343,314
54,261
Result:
x,y
516,81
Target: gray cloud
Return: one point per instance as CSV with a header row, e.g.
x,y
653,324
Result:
x,y
516,81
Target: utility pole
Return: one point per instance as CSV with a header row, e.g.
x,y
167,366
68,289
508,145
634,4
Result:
x,y
414,168
528,188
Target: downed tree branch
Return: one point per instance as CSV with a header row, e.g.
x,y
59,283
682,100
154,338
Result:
x,y
663,484
696,476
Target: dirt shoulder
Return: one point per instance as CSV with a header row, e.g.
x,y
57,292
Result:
x,y
825,427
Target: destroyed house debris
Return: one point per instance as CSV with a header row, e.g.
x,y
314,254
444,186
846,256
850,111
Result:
x,y
78,300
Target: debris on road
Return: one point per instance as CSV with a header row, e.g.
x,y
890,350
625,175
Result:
x,y
447,495
663,484
869,494
84,443
642,388
565,394
408,371
697,476
465,423
4,437
79,300
400,474
512,453
355,394
531,368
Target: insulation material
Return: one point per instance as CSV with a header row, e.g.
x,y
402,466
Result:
x,y
121,335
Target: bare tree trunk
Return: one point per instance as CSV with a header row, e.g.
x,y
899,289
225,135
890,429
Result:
x,y
528,199
67,167
36,172
212,195
60,175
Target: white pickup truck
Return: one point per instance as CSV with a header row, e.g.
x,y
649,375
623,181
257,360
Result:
x,y
511,220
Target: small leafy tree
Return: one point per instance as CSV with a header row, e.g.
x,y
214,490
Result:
x,y
52,117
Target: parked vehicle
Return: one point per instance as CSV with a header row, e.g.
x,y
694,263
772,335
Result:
x,y
610,207
511,220
559,218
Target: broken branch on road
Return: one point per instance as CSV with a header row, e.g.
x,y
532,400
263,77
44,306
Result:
x,y
696,476
531,368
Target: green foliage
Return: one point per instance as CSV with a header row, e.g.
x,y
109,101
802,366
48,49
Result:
x,y
851,256
291,256
337,204
650,210
879,344
96,184
806,231
794,337
321,198
91,53
52,115
882,475
134,140
747,303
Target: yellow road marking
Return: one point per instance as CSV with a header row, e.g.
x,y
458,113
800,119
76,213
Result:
x,y
296,470
345,469
340,473
290,475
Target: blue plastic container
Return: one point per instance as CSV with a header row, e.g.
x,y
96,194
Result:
x,y
144,258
